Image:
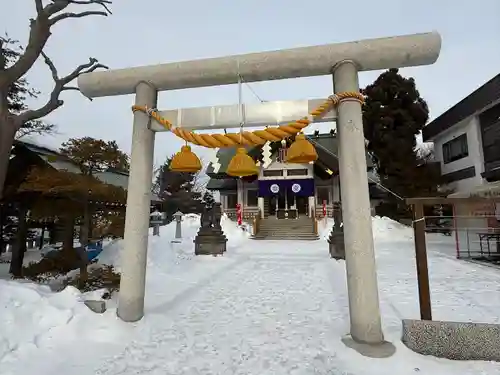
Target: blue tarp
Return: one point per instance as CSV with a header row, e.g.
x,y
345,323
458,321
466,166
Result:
x,y
93,250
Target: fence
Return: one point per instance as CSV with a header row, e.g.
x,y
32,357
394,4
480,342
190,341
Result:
x,y
248,213
468,228
470,235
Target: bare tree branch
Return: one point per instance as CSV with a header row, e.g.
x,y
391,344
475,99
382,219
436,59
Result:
x,y
59,5
40,33
63,16
39,6
72,88
60,85
3,59
102,3
51,66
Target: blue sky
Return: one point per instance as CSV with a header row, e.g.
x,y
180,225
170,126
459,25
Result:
x,y
154,31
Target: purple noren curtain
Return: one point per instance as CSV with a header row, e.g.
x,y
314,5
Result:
x,y
301,187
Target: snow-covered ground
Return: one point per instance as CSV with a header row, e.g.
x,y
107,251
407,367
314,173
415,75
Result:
x,y
266,307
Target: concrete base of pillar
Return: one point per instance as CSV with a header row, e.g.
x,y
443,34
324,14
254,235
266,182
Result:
x,y
384,349
336,245
210,242
219,234
99,307
209,247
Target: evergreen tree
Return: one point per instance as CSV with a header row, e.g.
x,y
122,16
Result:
x,y
178,191
393,115
19,92
95,155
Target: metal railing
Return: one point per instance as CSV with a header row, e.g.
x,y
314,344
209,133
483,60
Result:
x,y
474,237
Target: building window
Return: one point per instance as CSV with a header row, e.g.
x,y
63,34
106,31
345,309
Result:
x,y
455,149
271,173
252,197
322,194
232,200
296,172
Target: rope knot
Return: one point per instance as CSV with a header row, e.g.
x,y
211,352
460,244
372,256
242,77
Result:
x,y
151,111
333,99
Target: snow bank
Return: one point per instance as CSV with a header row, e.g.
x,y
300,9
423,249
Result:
x,y
163,253
385,229
35,319
47,317
34,308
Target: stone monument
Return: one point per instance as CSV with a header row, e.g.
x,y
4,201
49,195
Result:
x,y
217,227
178,227
336,240
210,239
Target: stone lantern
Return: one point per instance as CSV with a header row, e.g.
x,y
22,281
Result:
x,y
156,219
178,227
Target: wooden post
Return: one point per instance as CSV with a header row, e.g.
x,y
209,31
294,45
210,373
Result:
x,y
424,294
3,245
42,237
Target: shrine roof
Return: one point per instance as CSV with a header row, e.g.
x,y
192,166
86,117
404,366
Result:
x,y
326,147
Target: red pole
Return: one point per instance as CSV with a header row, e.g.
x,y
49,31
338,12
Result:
x,y
239,214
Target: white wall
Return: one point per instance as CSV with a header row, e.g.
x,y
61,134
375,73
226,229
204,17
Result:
x,y
472,128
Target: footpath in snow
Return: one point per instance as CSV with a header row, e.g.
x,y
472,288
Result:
x,y
266,307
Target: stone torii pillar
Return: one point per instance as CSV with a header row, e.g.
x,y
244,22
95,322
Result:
x,y
364,308
134,256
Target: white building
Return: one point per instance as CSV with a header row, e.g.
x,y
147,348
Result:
x,y
467,139
467,145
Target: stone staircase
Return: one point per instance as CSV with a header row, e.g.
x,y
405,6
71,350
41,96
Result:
x,y
286,229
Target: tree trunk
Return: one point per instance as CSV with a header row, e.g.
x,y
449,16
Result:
x,y
16,264
52,233
3,245
85,227
7,133
68,234
72,253
41,241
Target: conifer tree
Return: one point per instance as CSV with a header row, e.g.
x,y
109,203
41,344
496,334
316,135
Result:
x,y
178,191
95,155
394,113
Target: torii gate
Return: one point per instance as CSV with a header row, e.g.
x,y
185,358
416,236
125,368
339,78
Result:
x,y
343,61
